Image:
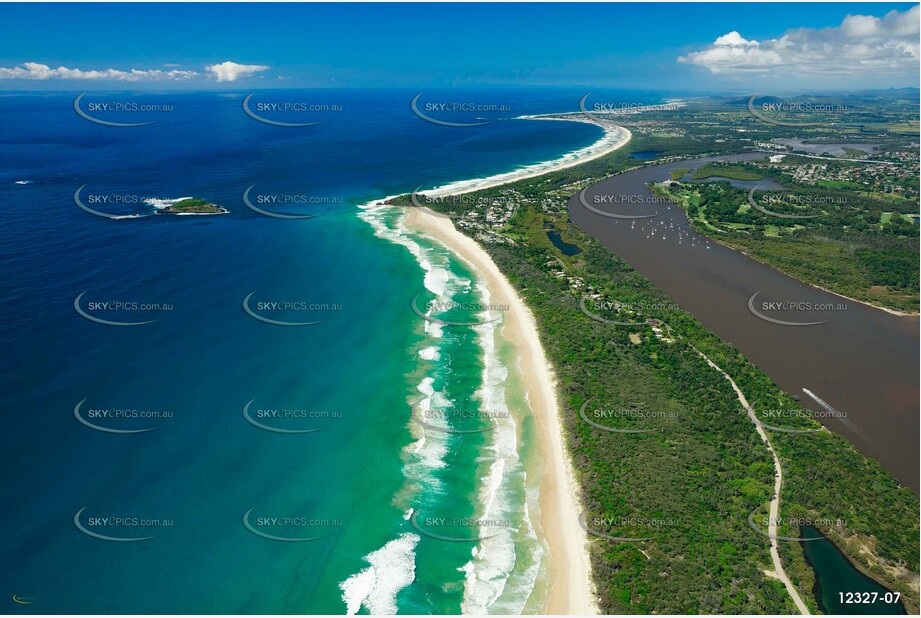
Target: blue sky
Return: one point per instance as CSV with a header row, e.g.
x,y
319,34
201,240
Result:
x,y
651,46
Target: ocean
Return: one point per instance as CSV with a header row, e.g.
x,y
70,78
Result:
x,y
267,468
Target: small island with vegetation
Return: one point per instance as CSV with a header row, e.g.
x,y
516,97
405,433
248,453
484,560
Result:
x,y
191,206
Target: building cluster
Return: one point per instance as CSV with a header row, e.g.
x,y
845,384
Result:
x,y
576,284
873,177
656,128
660,330
489,214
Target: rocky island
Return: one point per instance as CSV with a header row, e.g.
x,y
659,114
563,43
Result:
x,y
188,206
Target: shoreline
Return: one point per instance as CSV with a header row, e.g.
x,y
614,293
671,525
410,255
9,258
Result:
x,y
614,138
570,588
716,239
895,312
569,574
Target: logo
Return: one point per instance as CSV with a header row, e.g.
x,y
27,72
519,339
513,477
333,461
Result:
x,y
273,414
108,414
451,305
107,521
79,202
784,306
775,537
790,107
598,318
276,215
587,113
277,306
106,123
274,123
452,413
414,198
612,215
620,539
785,430
130,306
753,204
623,108
611,429
282,522
456,522
452,107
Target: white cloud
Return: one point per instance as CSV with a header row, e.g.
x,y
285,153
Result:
x,y
231,71
862,44
733,39
34,70
223,72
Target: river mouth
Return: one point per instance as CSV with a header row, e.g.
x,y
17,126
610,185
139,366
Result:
x,y
840,588
856,359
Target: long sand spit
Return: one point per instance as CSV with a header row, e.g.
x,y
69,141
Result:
x,y
571,590
569,567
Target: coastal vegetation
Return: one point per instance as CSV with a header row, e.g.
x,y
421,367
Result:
x,y
858,169
192,205
852,243
736,172
690,485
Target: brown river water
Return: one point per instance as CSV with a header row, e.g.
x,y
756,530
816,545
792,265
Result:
x,y
861,361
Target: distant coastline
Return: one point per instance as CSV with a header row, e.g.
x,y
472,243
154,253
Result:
x,y
614,138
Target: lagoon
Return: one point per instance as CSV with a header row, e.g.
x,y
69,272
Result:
x,y
836,577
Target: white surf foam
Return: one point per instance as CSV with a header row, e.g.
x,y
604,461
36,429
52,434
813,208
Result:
x,y
428,451
159,203
434,261
613,138
392,568
430,353
491,583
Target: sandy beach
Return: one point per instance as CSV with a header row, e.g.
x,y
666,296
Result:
x,y
614,137
569,571
571,591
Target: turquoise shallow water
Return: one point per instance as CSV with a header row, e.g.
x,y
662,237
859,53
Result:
x,y
352,377
464,480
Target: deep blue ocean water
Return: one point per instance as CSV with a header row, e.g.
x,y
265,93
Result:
x,y
204,358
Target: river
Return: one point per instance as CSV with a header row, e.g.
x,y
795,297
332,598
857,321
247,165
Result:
x,y
861,361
